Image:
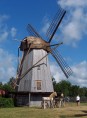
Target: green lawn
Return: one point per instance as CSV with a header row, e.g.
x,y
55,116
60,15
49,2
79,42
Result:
x,y
69,111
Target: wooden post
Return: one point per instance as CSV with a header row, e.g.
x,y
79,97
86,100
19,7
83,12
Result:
x,y
29,100
44,104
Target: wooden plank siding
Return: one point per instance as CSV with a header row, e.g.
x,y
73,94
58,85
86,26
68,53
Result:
x,y
41,72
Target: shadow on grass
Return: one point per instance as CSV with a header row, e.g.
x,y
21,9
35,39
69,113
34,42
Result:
x,y
74,116
80,115
85,111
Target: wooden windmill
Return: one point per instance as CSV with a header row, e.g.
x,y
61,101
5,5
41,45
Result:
x,y
34,77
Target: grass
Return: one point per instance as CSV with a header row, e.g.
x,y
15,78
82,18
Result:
x,y
69,111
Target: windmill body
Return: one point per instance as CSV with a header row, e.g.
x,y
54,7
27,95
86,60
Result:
x,y
38,81
34,78
39,78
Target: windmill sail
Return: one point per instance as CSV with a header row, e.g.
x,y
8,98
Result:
x,y
63,65
32,31
55,24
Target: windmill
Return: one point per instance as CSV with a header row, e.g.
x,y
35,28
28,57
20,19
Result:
x,y
34,77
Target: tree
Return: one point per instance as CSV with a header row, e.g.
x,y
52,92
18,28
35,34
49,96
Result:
x,y
74,90
1,85
82,91
11,80
54,81
8,86
68,89
63,86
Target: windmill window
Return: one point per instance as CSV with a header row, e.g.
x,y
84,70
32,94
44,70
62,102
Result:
x,y
38,84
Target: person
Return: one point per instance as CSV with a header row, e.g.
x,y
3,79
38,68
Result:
x,y
78,100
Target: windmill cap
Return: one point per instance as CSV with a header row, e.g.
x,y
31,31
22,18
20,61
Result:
x,y
33,43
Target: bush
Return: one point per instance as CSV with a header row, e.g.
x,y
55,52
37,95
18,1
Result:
x,y
6,102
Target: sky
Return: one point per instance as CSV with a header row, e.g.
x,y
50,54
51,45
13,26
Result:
x,y
16,15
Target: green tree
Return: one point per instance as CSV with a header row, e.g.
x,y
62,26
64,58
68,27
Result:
x,y
68,89
74,90
1,85
82,91
11,80
8,86
63,86
54,81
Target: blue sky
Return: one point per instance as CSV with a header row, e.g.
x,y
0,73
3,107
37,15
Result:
x,y
14,17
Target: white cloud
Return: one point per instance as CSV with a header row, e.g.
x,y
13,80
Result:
x,y
75,25
3,18
79,76
73,29
7,60
7,66
72,3
3,35
13,32
56,72
3,28
46,24
5,31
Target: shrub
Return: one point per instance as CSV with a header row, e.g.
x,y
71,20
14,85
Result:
x,y
6,102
